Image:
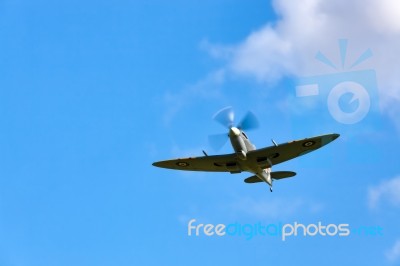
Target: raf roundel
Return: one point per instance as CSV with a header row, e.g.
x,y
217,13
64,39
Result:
x,y
182,164
308,143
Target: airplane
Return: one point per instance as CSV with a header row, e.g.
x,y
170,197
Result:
x,y
246,158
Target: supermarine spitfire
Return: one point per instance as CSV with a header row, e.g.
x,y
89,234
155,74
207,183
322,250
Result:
x,y
246,158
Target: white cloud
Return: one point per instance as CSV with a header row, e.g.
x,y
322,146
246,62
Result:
x,y
393,254
388,191
288,47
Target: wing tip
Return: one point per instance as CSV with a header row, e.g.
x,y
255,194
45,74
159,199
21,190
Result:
x,y
156,164
335,136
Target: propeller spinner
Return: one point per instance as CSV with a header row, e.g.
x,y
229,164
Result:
x,y
226,118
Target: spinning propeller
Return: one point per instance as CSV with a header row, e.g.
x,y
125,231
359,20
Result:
x,y
226,117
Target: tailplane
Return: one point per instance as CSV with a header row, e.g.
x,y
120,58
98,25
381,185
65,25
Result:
x,y
274,175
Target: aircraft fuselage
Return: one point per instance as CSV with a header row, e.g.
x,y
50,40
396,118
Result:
x,y
241,145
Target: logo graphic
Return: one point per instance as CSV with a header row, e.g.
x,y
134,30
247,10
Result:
x,y
345,101
349,95
279,230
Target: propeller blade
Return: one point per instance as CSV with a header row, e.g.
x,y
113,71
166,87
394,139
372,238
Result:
x,y
249,122
217,141
225,117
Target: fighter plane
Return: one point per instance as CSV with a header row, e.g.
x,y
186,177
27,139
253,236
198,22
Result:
x,y
246,158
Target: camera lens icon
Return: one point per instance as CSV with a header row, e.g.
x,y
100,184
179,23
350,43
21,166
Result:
x,y
360,98
347,95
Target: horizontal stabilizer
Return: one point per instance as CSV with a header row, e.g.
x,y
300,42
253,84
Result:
x,y
253,179
275,175
282,174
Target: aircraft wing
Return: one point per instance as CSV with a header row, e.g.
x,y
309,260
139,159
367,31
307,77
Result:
x,y
213,163
262,157
287,151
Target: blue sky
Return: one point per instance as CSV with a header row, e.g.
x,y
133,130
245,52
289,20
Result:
x,y
93,92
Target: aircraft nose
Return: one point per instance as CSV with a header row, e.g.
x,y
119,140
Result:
x,y
234,131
